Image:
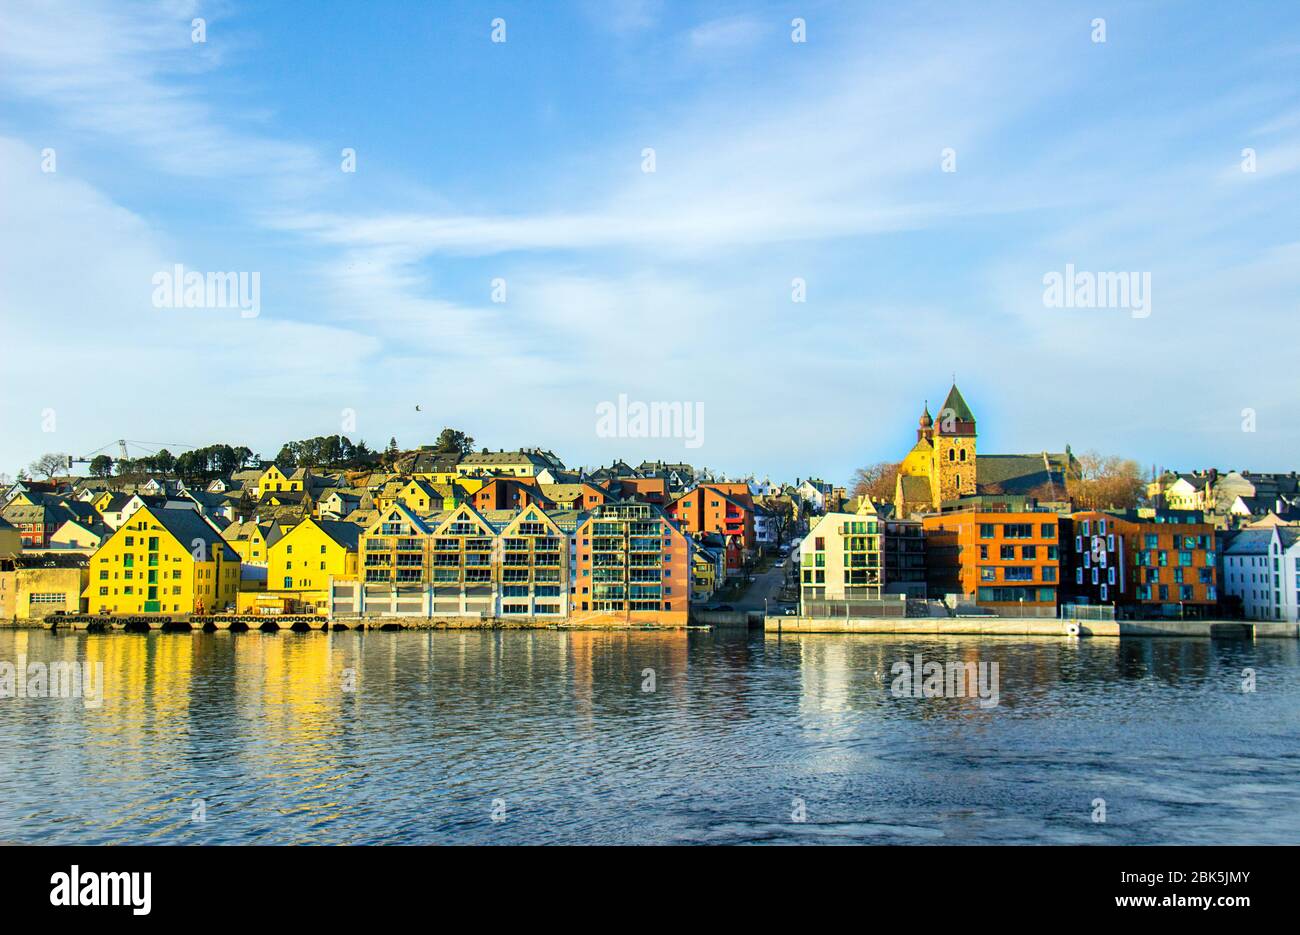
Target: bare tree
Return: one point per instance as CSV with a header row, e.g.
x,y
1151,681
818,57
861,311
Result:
x,y
49,464
876,480
1106,482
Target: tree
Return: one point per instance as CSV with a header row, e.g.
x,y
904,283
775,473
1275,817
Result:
x,y
49,464
452,441
101,466
782,511
1106,482
876,481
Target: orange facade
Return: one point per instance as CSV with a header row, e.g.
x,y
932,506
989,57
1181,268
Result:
x,y
1167,560
630,558
726,509
996,559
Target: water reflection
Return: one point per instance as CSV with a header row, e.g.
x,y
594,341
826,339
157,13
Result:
x,y
411,737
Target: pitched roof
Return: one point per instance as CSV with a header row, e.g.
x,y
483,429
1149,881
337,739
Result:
x,y
915,487
961,412
187,525
347,535
1018,474
1250,542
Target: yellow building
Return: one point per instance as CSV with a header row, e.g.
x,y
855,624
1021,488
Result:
x,y
33,586
943,466
707,570
422,497
274,480
77,534
248,540
163,561
304,559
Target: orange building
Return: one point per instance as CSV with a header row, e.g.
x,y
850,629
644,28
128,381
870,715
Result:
x,y
726,509
509,494
999,560
631,562
650,489
1164,564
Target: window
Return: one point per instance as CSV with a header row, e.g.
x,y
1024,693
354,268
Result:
x,y
986,530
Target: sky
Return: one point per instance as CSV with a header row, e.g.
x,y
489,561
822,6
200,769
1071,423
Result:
x,y
832,228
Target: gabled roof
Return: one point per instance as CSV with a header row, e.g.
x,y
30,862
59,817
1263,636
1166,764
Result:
x,y
187,526
347,535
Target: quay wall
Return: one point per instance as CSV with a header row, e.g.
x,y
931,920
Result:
x,y
1028,626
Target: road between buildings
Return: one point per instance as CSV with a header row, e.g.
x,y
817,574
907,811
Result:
x,y
766,586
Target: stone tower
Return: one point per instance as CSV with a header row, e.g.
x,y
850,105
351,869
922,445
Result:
x,y
954,450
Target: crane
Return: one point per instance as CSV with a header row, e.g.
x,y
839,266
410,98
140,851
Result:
x,y
147,448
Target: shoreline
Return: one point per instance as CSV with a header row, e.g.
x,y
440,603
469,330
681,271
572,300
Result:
x,y
771,626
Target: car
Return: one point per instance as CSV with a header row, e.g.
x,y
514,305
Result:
x,y
720,607
789,611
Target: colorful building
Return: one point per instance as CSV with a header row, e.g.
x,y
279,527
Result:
x,y
302,562
162,562
632,563
34,586
841,559
725,509
1006,561
943,465
1161,565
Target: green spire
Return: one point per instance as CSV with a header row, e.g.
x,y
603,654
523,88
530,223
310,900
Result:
x,y
960,411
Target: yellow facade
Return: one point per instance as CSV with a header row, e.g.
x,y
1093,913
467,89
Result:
x,y
420,497
273,480
33,592
304,559
248,541
163,562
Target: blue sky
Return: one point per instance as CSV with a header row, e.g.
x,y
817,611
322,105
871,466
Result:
x,y
774,160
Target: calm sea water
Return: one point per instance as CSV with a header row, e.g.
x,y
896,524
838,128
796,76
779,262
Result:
x,y
553,733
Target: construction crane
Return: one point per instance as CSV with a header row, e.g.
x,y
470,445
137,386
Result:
x,y
147,448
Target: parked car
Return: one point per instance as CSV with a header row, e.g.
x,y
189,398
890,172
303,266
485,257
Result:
x,y
720,607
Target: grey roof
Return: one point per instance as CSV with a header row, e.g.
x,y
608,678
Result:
x,y
347,535
1251,542
1020,474
187,525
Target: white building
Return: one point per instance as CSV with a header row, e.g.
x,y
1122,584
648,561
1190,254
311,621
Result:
x,y
1262,567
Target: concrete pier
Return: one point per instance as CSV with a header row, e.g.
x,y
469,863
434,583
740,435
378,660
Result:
x,y
1030,626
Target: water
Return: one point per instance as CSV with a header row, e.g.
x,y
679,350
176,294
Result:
x,y
553,731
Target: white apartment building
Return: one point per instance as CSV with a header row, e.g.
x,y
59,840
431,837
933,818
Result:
x,y
1262,567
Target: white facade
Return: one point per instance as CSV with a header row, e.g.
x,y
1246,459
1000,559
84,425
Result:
x,y
1262,567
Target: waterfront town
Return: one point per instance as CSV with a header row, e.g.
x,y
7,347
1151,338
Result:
x,y
334,534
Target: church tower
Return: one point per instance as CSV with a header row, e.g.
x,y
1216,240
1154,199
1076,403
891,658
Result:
x,y
953,431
